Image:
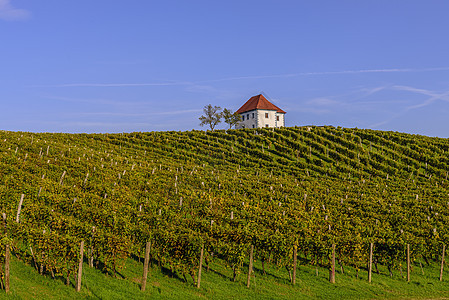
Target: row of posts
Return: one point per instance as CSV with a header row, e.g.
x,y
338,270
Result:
x,y
370,263
250,267
293,277
8,254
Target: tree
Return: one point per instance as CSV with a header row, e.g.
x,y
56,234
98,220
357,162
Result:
x,y
212,116
231,118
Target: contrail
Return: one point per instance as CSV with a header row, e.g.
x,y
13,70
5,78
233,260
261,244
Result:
x,y
187,83
329,73
115,84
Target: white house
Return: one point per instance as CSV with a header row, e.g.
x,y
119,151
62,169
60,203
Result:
x,y
258,112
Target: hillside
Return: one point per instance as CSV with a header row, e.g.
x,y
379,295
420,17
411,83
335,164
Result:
x,y
284,191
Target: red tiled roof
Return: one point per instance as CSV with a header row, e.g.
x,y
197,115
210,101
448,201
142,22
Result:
x,y
258,102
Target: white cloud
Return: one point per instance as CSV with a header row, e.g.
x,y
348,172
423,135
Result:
x,y
10,13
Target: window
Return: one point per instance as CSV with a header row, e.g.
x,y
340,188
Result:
x,y
266,116
277,118
243,117
266,125
247,116
253,125
253,115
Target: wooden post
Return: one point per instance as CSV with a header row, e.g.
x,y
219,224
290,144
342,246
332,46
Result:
x,y
7,257
19,208
370,265
85,180
200,267
250,268
408,262
332,270
7,270
294,264
90,257
62,177
442,262
80,267
34,259
145,267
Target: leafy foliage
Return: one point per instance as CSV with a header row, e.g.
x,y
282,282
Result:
x,y
231,118
212,116
303,187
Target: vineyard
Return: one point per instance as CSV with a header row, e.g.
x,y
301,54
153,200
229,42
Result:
x,y
317,196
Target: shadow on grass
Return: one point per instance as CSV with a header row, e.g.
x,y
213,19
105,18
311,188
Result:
x,y
164,270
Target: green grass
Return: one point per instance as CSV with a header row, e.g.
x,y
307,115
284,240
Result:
x,y
26,283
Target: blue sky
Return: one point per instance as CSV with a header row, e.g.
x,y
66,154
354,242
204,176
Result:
x,y
122,66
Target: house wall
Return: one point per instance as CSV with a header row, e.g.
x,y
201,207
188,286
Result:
x,y
260,118
281,122
267,118
249,120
